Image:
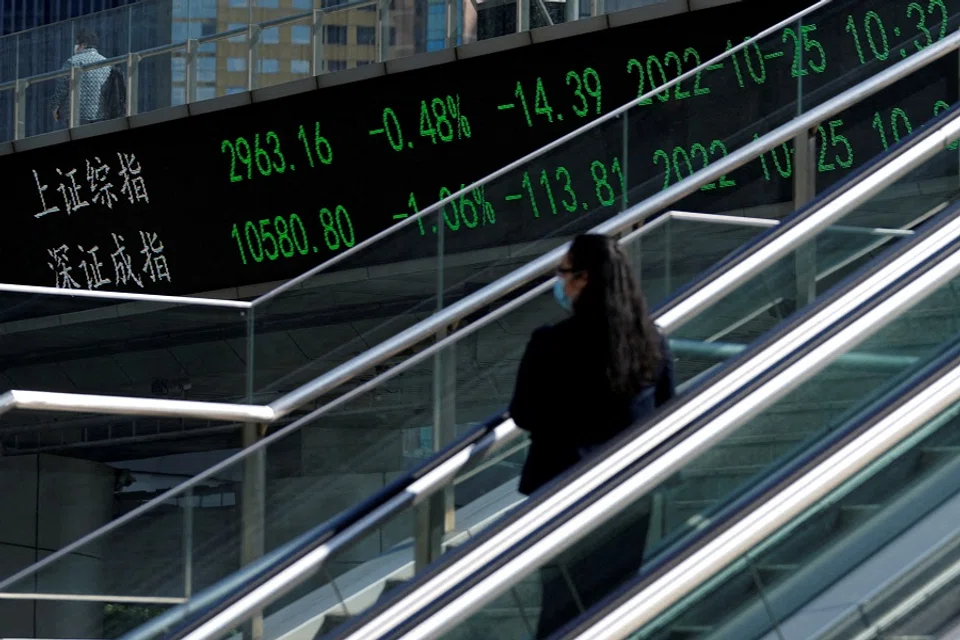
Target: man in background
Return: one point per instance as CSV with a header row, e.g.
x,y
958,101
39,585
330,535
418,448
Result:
x,y
90,81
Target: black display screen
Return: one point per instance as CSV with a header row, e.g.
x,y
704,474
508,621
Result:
x,y
264,192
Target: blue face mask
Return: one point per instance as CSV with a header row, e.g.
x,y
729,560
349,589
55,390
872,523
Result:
x,y
561,295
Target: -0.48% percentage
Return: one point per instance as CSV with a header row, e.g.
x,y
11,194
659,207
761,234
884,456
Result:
x,y
440,118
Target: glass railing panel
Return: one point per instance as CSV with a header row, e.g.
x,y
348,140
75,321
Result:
x,y
39,101
104,619
141,349
161,81
7,111
608,556
916,602
846,527
857,238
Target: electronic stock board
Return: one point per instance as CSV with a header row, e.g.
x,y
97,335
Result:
x,y
265,191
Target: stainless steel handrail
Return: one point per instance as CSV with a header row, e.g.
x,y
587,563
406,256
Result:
x,y
125,297
616,113
785,243
681,453
779,511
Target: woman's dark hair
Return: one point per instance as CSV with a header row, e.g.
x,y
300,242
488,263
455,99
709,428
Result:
x,y
614,309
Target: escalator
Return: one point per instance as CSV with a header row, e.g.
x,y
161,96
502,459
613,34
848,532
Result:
x,y
471,372
319,600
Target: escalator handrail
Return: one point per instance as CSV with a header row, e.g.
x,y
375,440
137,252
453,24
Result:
x,y
933,389
783,240
524,532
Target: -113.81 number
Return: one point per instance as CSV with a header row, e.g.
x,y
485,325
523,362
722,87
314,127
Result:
x,y
288,237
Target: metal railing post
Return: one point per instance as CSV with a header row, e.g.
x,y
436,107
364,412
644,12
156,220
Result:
x,y
597,8
523,15
383,30
74,93
133,82
188,544
436,516
454,18
191,70
253,40
20,109
316,41
253,513
805,190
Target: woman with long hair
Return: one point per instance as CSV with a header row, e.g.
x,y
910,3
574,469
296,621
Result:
x,y
581,382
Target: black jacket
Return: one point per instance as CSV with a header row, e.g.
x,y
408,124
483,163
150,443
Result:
x,y
562,400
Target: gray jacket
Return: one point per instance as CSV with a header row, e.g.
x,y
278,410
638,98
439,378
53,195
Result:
x,y
91,86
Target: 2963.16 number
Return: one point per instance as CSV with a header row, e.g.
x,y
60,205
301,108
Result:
x,y
272,238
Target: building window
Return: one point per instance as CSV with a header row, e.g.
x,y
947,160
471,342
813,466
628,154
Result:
x,y
236,64
270,65
336,65
233,90
335,34
299,66
303,4
268,4
178,69
300,33
361,63
207,9
178,96
366,35
207,69
238,3
271,35
206,93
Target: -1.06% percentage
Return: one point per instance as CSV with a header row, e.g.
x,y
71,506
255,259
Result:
x,y
440,120
469,210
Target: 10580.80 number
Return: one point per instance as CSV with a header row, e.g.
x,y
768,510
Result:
x,y
288,237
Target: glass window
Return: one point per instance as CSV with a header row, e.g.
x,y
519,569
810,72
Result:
x,y
238,3
335,34
206,93
336,65
178,69
236,64
271,35
179,31
207,69
361,63
299,66
270,65
233,90
303,4
268,4
366,35
300,33
205,8
178,95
